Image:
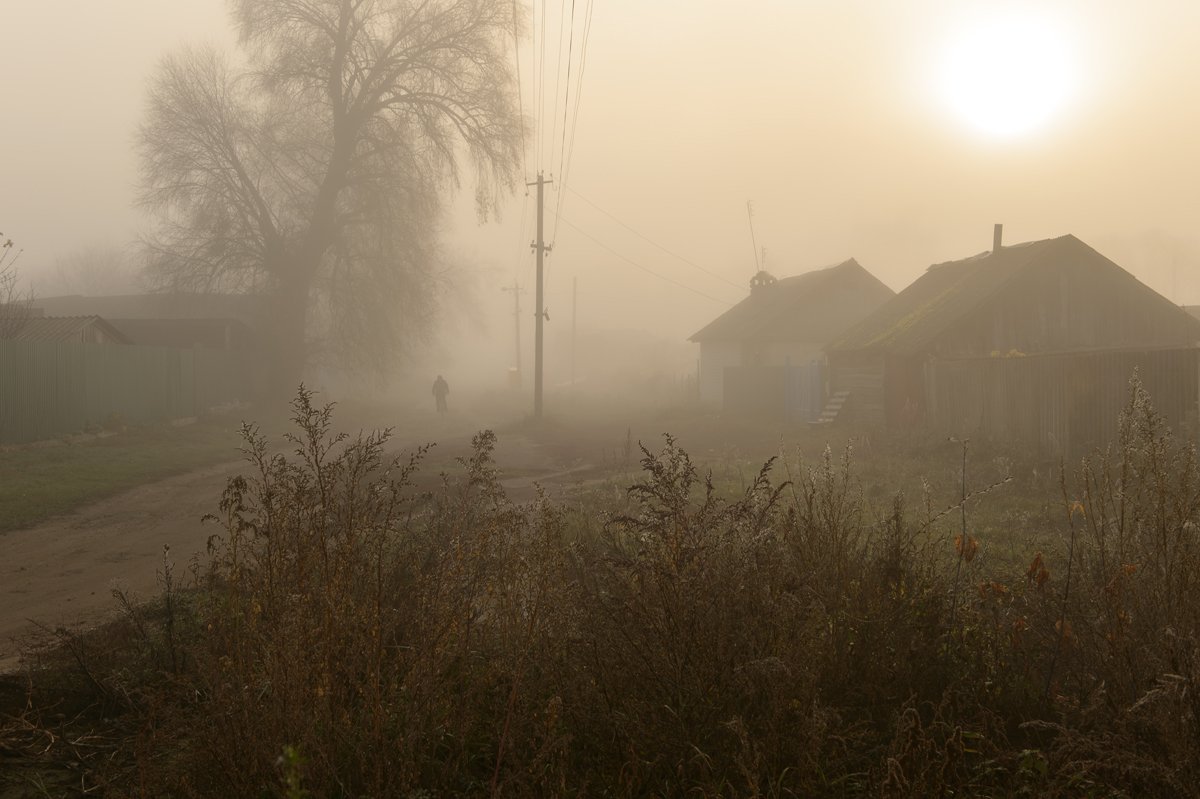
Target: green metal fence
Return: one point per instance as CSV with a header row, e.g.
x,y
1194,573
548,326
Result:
x,y
50,389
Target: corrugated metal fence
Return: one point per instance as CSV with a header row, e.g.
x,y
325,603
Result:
x,y
1061,403
50,389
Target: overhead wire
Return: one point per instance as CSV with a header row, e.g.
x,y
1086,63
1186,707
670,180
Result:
x,y
533,69
567,95
646,238
635,264
565,170
520,97
558,82
583,48
542,84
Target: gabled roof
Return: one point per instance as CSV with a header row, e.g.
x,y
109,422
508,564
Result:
x,y
214,333
813,307
66,328
950,292
248,308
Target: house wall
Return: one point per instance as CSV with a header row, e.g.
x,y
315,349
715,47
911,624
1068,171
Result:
x,y
904,391
795,353
717,358
1062,404
862,374
714,357
794,393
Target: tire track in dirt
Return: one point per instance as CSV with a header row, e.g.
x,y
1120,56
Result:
x,y
62,571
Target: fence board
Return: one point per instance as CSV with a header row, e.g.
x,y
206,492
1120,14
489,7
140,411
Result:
x,y
50,389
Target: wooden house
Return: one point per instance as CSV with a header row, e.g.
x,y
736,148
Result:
x,y
763,354
1032,343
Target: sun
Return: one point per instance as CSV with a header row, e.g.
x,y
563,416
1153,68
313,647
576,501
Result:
x,y
1008,76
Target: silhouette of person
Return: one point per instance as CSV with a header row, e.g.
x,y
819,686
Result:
x,y
440,390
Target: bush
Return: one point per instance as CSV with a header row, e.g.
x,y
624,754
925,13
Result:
x,y
353,636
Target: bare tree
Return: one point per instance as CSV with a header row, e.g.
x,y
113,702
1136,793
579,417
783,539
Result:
x,y
94,270
14,303
315,174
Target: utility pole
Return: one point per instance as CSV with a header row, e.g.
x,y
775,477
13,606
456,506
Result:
x,y
516,290
541,248
574,307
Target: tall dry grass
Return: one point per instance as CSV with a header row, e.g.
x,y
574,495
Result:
x,y
353,636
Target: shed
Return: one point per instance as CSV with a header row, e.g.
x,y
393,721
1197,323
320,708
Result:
x,y
250,309
925,356
763,350
221,334
70,329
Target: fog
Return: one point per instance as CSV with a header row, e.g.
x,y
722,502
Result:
x,y
826,116
857,465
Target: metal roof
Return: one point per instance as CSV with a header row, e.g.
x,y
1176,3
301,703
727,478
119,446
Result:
x,y
950,292
65,328
813,307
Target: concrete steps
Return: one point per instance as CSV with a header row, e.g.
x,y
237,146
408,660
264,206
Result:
x,y
833,407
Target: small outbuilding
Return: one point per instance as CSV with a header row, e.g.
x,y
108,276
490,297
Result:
x,y
219,334
1033,343
69,329
766,354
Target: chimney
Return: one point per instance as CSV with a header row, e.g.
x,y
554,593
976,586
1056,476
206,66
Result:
x,y
997,234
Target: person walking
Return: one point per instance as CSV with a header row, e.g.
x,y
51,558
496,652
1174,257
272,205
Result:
x,y
440,389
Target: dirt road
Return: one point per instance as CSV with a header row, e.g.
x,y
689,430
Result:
x,y
62,572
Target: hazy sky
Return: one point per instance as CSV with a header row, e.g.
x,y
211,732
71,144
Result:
x,y
831,116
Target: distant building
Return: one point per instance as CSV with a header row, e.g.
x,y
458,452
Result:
x,y
70,329
764,354
249,309
212,321
1032,343
220,334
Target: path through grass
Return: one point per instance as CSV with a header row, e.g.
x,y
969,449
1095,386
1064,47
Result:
x,y
37,483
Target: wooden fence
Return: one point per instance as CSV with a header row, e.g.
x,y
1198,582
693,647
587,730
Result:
x,y
1062,403
50,389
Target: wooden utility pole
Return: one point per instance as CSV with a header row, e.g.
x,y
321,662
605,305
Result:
x,y
516,290
541,248
574,307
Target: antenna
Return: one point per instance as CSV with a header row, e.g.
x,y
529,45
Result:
x,y
753,241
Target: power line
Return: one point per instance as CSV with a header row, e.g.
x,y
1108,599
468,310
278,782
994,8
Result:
x,y
567,96
520,98
635,264
558,81
542,86
533,68
655,243
570,148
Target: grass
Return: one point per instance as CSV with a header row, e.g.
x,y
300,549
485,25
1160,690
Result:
x,y
37,483
770,632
